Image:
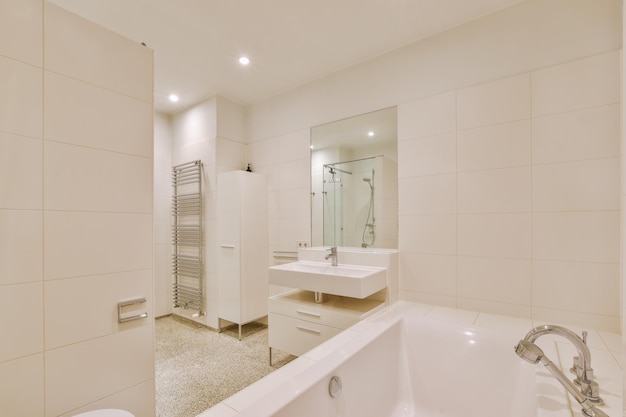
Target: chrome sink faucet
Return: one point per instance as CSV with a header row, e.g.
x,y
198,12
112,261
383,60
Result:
x,y
588,395
332,254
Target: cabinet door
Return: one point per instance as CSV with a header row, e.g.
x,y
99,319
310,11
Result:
x,y
229,251
254,246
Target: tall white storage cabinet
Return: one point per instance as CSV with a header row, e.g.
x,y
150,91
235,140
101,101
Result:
x,y
242,233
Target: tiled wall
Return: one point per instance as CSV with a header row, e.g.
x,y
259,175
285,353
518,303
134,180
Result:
x,y
456,243
285,161
509,194
75,214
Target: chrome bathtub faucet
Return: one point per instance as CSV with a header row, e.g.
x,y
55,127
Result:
x,y
584,389
332,254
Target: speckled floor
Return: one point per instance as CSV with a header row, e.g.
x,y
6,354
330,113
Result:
x,y
196,367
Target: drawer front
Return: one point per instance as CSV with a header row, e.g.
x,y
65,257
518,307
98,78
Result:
x,y
296,336
313,313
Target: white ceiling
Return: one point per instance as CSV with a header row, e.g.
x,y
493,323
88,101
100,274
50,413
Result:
x,y
197,43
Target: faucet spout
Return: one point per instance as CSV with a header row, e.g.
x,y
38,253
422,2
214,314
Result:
x,y
532,353
333,255
582,362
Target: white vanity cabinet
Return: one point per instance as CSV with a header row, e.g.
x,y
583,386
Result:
x,y
242,237
298,324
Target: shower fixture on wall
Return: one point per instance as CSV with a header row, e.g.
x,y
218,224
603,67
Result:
x,y
369,230
333,171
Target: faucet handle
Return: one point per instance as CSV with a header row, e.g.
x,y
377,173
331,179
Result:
x,y
575,365
591,390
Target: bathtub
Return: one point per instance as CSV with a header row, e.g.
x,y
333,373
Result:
x,y
419,360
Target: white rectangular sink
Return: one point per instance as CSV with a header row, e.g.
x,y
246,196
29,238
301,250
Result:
x,y
347,280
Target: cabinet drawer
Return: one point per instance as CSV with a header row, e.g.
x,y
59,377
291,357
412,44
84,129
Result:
x,y
297,336
340,312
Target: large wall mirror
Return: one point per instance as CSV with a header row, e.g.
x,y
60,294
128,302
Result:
x,y
354,181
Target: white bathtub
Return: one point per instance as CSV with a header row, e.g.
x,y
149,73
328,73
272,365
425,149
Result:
x,y
418,360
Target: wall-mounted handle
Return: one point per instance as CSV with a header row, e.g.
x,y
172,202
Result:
x,y
123,317
228,246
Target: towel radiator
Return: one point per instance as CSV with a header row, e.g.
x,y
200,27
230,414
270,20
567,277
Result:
x,y
187,237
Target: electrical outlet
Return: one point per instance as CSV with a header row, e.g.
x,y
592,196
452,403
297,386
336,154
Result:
x,y
303,244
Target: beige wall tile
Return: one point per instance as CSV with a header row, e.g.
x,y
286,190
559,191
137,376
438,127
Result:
x,y
495,146
83,50
20,99
433,194
81,114
21,386
429,234
434,274
428,298
290,231
84,179
506,281
577,286
582,134
21,246
138,400
579,186
495,191
293,203
427,156
577,236
263,153
494,307
163,279
293,174
21,31
231,155
78,309
74,379
162,225
81,243
294,146
20,172
497,235
203,150
433,116
499,101
542,315
230,118
196,124
588,82
24,336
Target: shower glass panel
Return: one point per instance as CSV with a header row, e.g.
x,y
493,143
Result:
x,y
349,203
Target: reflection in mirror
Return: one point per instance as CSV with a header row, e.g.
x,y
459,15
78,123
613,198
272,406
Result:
x,y
354,181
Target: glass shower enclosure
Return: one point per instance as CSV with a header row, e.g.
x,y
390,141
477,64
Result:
x,y
349,209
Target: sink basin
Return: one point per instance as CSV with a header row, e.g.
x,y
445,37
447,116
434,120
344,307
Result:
x,y
347,280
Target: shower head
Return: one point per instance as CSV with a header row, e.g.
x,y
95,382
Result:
x,y
369,181
529,351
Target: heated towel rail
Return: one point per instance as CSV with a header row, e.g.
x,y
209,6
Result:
x,y
187,236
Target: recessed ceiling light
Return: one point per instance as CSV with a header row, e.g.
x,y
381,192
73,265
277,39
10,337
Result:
x,y
370,133
244,60
173,98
